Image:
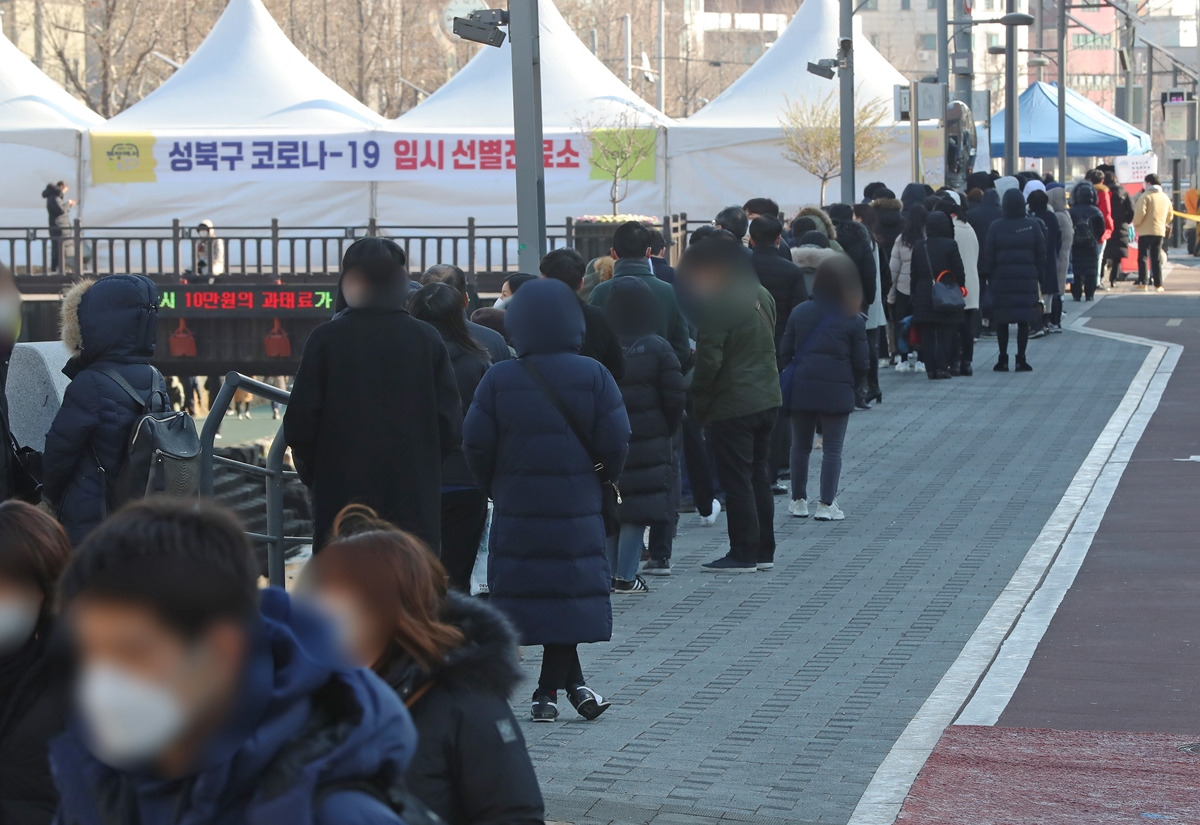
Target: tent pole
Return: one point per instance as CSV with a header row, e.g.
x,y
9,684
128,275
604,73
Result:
x,y
1062,91
527,122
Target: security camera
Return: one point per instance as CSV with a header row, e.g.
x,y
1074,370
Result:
x,y
823,68
845,44
482,26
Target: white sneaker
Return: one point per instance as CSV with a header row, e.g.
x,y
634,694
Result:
x,y
903,366
710,520
798,508
829,512
918,366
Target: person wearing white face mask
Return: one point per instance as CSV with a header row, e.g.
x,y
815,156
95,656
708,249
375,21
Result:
x,y
201,700
34,549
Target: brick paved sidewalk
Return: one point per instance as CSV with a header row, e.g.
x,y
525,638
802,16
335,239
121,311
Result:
x,y
774,697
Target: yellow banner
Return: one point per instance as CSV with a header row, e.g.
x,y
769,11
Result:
x,y
123,158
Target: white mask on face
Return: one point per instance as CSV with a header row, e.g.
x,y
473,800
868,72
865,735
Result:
x,y
130,719
501,303
18,618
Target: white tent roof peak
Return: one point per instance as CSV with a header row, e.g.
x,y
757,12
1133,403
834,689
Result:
x,y
247,74
575,86
30,101
781,74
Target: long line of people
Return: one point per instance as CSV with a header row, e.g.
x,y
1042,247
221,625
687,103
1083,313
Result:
x,y
144,678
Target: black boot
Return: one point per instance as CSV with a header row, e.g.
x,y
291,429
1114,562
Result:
x,y
1023,365
966,369
1001,364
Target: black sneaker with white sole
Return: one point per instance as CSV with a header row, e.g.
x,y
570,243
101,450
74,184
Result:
x,y
637,587
544,709
587,703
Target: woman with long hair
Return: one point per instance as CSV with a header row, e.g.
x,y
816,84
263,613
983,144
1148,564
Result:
x,y
451,659
464,507
826,343
864,214
936,259
901,269
34,550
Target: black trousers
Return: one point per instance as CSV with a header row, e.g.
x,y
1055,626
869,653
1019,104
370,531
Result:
x,y
1150,246
868,385
743,449
1084,280
695,456
464,514
937,340
1022,339
560,669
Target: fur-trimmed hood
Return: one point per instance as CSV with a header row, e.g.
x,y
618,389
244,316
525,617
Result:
x,y
826,224
811,256
486,661
889,204
113,319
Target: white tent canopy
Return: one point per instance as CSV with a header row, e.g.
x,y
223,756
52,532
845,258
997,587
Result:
x,y
576,87
41,127
246,78
731,149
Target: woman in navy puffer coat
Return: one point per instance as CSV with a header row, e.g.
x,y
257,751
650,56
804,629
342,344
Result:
x,y
827,339
108,325
548,570
1013,258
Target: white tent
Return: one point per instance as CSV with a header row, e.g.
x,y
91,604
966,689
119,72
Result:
x,y
731,149
576,87
246,80
41,128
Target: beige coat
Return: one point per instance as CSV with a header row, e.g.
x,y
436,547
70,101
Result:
x,y
1152,212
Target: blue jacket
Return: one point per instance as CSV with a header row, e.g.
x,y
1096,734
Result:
x,y
834,360
547,569
109,324
306,728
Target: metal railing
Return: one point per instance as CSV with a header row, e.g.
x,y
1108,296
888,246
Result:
x,y
273,473
276,251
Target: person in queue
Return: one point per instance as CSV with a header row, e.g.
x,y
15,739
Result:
x,y
451,659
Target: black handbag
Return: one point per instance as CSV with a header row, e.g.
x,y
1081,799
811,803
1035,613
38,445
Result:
x,y
609,492
24,468
945,297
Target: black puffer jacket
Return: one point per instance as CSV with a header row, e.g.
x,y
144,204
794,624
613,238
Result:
x,y
835,357
1053,235
33,703
471,765
1117,245
856,242
1088,222
1012,261
469,368
110,324
783,279
936,254
984,215
654,395
891,224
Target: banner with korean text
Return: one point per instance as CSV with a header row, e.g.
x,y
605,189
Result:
x,y
361,156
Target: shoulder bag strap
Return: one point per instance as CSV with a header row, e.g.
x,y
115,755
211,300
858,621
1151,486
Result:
x,y
565,412
826,320
120,381
158,387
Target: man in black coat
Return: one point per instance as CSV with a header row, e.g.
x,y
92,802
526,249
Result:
x,y
783,279
375,406
658,258
599,342
489,339
770,209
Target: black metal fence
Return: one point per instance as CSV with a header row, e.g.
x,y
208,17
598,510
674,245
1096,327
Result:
x,y
277,251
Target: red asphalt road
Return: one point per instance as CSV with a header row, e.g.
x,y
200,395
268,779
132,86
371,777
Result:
x,y
1092,734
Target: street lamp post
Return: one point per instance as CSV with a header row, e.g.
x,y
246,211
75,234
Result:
x,y
1062,91
1011,116
846,78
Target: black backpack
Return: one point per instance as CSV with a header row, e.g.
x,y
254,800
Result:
x,y
163,456
1083,232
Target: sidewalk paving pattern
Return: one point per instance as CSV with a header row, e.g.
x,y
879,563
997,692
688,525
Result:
x,y
774,697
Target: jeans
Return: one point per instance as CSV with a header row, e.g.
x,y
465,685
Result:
x,y
625,551
464,513
833,435
743,449
560,669
1022,339
1150,246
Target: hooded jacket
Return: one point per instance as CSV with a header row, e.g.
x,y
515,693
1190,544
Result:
x,y
57,211
1152,212
672,325
824,224
471,765
936,255
1087,228
305,732
1014,256
1049,279
654,396
913,194
1120,217
834,360
375,410
109,324
547,569
1066,230
985,214
900,266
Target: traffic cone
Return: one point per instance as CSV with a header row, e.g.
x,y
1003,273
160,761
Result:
x,y
277,343
182,342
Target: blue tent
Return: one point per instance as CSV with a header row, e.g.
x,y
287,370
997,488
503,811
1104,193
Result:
x,y
1091,131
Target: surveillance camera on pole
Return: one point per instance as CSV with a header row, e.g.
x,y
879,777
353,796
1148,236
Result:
x,y
483,26
823,68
